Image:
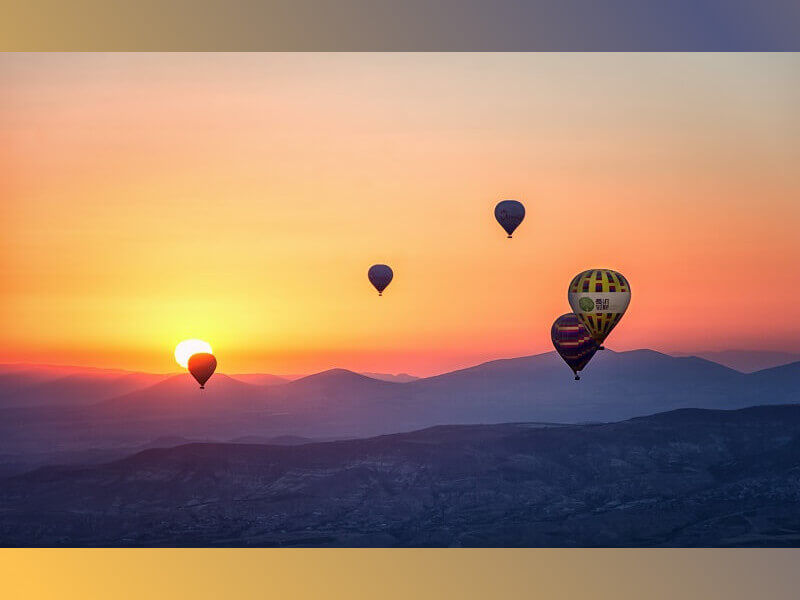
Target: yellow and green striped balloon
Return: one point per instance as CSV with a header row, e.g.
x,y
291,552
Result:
x,y
599,297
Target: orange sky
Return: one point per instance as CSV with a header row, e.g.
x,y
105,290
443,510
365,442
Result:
x,y
240,198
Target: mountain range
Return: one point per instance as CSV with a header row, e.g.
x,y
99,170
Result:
x,y
339,403
689,477
45,385
746,361
645,450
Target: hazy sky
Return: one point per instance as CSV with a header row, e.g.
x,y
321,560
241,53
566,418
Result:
x,y
240,198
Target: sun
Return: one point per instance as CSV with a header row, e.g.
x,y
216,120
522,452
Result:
x,y
187,348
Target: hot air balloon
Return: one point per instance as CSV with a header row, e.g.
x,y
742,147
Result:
x,y
599,297
509,213
573,342
202,366
380,276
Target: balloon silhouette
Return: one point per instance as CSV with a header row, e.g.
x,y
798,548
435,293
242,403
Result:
x,y
380,276
573,342
202,366
509,213
599,297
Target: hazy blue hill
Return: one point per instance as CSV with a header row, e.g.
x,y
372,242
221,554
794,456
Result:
x,y
339,378
396,378
172,407
259,379
641,365
543,370
339,395
279,440
66,386
14,464
685,478
747,361
777,375
16,379
615,385
781,384
181,393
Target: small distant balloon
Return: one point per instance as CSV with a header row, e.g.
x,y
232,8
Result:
x,y
509,213
202,366
599,297
380,276
573,342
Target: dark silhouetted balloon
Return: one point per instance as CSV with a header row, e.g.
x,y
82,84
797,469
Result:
x,y
202,366
573,342
509,213
380,276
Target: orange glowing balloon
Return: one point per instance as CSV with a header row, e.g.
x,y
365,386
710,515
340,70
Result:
x,y
202,366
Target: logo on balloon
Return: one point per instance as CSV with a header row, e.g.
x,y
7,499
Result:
x,y
586,304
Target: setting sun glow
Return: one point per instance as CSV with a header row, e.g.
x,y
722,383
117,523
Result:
x,y
246,195
185,349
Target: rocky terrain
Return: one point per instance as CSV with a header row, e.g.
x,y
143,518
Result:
x,y
689,477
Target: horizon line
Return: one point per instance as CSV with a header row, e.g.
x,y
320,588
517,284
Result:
x,y
296,376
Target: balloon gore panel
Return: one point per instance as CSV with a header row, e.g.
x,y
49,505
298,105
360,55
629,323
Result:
x,y
573,341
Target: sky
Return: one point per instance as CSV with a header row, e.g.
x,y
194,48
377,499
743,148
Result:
x,y
241,198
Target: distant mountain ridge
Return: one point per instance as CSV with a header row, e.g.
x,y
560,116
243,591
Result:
x,y
259,378
339,403
47,385
397,377
746,361
23,385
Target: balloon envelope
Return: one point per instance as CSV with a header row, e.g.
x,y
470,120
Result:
x,y
573,342
599,297
202,366
509,213
380,276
